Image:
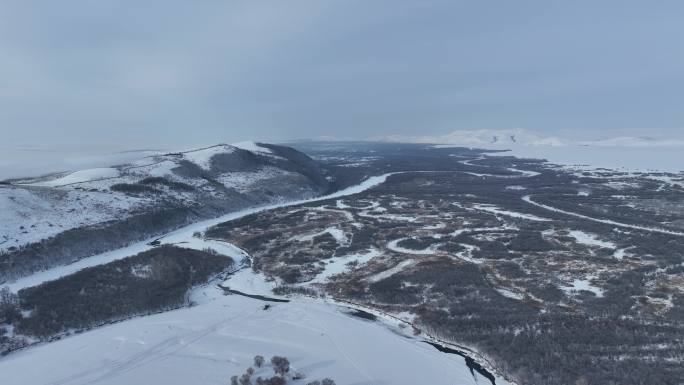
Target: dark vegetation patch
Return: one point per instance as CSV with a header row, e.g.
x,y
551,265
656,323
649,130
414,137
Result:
x,y
149,282
451,247
150,185
75,244
161,181
418,243
530,241
394,290
363,314
289,289
325,242
134,189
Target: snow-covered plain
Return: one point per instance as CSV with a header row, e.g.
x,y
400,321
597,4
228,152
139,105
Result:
x,y
623,152
590,239
338,265
208,343
633,158
582,285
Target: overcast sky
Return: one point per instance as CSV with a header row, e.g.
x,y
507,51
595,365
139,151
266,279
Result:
x,y
166,73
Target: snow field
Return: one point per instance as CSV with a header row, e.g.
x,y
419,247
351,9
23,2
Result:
x,y
210,342
590,239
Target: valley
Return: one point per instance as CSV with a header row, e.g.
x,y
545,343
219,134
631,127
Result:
x,y
525,268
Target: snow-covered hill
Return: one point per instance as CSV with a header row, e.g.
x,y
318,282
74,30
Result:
x,y
156,193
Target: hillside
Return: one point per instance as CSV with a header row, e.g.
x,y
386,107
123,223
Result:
x,y
65,217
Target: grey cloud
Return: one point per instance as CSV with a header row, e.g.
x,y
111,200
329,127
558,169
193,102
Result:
x,y
128,74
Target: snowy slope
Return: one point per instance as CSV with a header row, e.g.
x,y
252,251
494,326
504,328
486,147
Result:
x,y
252,147
35,209
31,214
81,177
202,157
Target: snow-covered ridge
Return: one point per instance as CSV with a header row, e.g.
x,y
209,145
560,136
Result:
x,y
202,157
80,177
252,147
38,208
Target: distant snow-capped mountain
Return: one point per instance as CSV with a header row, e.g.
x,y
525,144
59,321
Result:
x,y
515,138
484,138
635,141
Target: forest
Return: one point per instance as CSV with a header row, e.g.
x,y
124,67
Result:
x,y
153,281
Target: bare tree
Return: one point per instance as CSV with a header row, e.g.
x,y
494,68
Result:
x,y
258,361
245,379
250,370
276,380
234,380
9,309
327,381
281,365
